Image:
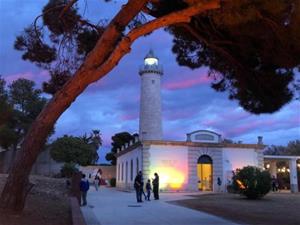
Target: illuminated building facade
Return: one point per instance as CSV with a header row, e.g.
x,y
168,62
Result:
x,y
191,165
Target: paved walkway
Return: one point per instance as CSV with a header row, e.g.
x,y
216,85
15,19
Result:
x,y
111,207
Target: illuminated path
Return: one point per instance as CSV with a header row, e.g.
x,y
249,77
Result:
x,y
112,207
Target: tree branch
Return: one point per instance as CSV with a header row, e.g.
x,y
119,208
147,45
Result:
x,y
113,32
182,16
66,8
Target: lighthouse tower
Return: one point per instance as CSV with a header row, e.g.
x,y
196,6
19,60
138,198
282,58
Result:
x,y
150,127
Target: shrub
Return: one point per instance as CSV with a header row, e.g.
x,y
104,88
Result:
x,y
252,182
68,169
112,182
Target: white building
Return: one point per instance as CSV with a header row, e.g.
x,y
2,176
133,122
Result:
x,y
191,165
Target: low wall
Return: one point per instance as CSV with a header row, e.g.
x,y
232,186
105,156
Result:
x,y
108,172
76,214
44,164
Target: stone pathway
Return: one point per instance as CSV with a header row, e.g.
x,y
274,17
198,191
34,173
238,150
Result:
x,y
109,206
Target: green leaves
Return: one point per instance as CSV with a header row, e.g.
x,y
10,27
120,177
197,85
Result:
x,y
118,140
72,149
252,182
251,47
20,104
57,21
34,49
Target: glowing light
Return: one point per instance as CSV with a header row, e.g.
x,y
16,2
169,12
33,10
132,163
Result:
x,y
268,166
241,185
298,165
288,170
169,178
151,61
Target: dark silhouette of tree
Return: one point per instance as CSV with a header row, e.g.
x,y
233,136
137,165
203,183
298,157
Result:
x,y
69,149
118,140
95,141
292,148
20,104
252,50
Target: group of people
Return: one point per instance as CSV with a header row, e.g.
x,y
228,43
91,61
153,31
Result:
x,y
139,187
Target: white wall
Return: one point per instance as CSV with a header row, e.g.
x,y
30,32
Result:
x,y
237,158
127,182
171,164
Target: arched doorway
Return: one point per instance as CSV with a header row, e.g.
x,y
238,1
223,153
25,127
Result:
x,y
204,172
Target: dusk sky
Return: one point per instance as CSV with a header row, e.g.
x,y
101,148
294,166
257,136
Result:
x,y
112,104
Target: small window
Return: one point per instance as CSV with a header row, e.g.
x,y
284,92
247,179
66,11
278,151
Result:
x,y
122,172
153,81
118,171
131,170
137,165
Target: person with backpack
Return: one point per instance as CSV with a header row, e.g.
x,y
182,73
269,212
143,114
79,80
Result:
x,y
84,187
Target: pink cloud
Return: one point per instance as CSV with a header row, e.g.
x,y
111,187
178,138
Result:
x,y
129,116
182,84
38,78
211,122
249,127
179,114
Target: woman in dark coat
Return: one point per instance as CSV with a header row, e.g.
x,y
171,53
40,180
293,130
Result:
x,y
138,186
155,184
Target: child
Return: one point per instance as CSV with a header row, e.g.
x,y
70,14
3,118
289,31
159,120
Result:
x,y
148,189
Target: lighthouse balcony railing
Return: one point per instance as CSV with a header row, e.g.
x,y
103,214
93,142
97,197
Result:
x,y
151,69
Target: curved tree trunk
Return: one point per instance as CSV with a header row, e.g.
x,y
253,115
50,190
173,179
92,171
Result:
x,y
103,58
17,186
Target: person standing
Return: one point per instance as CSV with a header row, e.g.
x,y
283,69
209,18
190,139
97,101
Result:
x,y
138,186
274,184
97,180
84,187
155,184
142,188
219,182
148,189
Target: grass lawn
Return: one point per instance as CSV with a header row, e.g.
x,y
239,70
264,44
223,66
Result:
x,y
275,208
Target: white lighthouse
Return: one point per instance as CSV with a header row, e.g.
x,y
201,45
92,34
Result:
x,y
150,127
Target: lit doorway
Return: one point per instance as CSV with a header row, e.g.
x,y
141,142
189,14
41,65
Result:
x,y
204,171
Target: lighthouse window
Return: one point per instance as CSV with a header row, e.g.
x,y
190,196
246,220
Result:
x,y
153,81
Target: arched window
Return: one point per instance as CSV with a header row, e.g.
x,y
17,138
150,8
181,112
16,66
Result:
x,y
131,170
204,159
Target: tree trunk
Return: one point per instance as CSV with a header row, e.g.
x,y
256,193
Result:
x,y
103,58
17,185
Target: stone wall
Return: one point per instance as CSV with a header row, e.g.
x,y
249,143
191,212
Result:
x,y
44,164
108,171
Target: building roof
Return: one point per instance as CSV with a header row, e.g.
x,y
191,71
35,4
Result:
x,y
282,156
150,54
188,144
